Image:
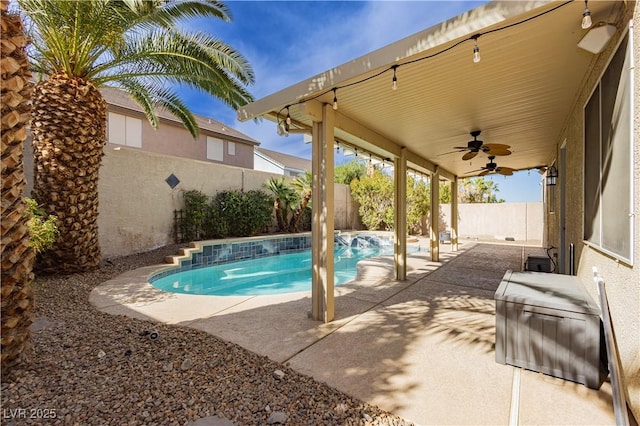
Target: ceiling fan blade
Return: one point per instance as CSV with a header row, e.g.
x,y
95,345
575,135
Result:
x,y
469,155
498,151
486,172
505,171
473,171
462,148
452,152
496,146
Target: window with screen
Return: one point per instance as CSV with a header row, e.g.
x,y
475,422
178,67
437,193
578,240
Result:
x,y
608,197
125,130
215,149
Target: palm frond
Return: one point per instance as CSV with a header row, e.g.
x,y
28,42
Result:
x,y
140,94
167,14
195,60
138,45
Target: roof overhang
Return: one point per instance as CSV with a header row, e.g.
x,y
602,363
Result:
x,y
519,94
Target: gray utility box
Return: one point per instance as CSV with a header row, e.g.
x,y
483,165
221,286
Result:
x,y
538,264
550,324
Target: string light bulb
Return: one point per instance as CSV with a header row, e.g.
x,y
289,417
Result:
x,y
337,147
288,120
394,85
335,100
476,50
586,16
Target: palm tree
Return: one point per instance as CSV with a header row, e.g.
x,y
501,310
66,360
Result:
x,y
285,197
479,190
302,185
17,256
137,46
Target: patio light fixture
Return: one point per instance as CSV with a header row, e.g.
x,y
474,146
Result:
x,y
394,86
335,99
476,49
586,16
552,176
597,38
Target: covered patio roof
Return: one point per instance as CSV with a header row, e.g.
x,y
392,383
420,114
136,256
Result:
x,y
519,94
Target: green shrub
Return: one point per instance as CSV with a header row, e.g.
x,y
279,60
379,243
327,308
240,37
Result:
x,y
193,222
374,193
239,213
43,228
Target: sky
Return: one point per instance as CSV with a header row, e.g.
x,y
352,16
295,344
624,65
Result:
x,y
289,41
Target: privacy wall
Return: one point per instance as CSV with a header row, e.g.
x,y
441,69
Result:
x,y
137,202
500,221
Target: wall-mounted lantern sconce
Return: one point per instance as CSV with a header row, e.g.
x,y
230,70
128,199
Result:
x,y
552,176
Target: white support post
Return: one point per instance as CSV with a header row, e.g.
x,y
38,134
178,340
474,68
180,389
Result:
x,y
322,287
454,214
434,223
400,215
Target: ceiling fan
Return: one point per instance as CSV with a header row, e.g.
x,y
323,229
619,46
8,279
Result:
x,y
492,167
475,146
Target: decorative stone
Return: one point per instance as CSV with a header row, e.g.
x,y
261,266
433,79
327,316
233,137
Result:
x,y
167,367
277,417
186,364
278,374
101,354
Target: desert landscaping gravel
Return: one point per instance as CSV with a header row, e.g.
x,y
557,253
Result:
x,y
91,368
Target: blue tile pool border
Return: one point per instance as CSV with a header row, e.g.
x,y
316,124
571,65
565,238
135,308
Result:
x,y
202,254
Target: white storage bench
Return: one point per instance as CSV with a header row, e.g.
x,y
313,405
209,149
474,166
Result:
x,y
549,323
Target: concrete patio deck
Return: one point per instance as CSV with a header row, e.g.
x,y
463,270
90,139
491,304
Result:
x,y
422,348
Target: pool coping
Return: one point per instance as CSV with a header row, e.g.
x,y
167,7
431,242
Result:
x,y
132,293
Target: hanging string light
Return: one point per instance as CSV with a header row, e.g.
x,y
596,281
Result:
x,y
282,130
476,49
586,16
394,85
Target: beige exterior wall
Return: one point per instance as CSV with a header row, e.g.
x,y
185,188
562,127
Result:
x,y
622,280
171,138
136,204
520,221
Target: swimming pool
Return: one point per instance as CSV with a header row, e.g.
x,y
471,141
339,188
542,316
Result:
x,y
285,273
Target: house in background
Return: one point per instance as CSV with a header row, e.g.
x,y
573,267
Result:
x,y
277,162
128,126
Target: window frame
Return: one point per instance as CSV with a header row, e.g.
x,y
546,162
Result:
x,y
628,74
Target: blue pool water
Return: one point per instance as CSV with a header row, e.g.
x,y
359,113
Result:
x,y
285,273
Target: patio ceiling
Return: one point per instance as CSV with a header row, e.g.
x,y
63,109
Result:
x,y
519,94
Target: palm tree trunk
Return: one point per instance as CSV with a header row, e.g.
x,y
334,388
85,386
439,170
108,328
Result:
x,y
69,130
294,224
17,257
277,205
